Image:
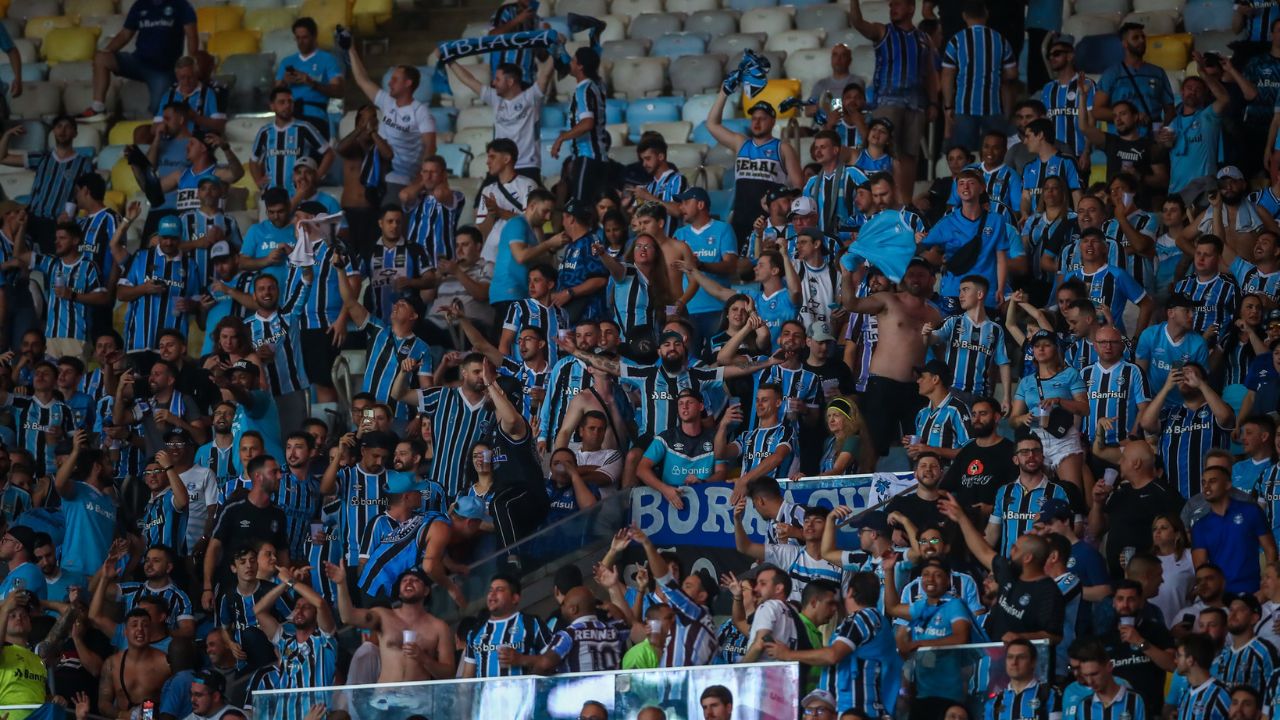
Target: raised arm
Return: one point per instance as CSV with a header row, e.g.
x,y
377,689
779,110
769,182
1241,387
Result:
x,y
1084,117
741,540
977,543
347,610
872,31
361,76
715,125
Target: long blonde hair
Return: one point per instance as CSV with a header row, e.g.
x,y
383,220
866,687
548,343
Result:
x,y
851,416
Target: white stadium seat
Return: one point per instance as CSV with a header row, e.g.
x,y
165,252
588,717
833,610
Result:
x,y
475,117
734,45
691,6
672,131
1156,23
831,18
793,40
1081,26
1101,7
625,48
594,8
632,8
767,20
652,26
712,22
698,74
686,156
638,77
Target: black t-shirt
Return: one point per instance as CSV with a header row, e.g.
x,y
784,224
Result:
x,y
1130,512
978,472
1128,156
242,522
1133,665
517,460
1024,606
922,513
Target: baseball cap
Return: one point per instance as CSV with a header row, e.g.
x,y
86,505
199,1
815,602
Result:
x,y
882,121
803,205
777,192
25,536
762,105
877,520
584,213
921,262
211,679
694,193
177,434
8,206
1249,599
378,439
244,366
1055,509
1063,39
313,207
169,227
1273,316
821,696
400,481
690,393
1179,300
820,331
306,161
470,507
219,250
939,368
413,299
1230,171
670,335
1043,335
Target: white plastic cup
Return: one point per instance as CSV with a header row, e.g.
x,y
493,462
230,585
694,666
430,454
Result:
x,y
1127,621
409,637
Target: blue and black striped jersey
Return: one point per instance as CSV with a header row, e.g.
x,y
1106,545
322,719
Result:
x,y
979,55
277,149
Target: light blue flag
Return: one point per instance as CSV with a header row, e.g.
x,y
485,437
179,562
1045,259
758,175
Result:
x,y
886,241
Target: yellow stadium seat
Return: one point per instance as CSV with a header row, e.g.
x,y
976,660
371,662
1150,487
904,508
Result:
x,y
38,27
115,199
76,44
264,20
367,15
1170,52
4,8
122,132
80,8
328,14
774,93
122,178
247,184
219,18
234,42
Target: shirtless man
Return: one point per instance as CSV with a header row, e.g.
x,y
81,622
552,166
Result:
x,y
429,655
135,674
891,400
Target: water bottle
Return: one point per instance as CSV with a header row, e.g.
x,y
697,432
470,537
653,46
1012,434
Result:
x,y
148,711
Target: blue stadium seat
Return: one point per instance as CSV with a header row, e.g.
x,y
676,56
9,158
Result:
x,y
423,93
615,112
559,23
31,72
750,4
455,156
702,135
109,154
1096,53
649,110
1205,15
677,45
551,167
721,203
445,117
554,115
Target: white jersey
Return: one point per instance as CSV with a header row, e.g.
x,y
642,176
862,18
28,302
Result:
x,y
818,291
512,197
518,120
202,492
403,126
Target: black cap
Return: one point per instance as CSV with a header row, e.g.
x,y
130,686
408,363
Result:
x,y
1179,300
1043,335
939,368
584,213
177,434
211,679
25,536
882,121
1273,316
690,393
779,192
1249,599
921,262
877,520
244,366
377,439
414,300
762,105
312,207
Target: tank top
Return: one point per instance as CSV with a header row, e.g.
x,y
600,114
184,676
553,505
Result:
x,y
757,170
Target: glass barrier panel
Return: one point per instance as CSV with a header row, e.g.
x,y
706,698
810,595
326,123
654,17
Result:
x,y
968,674
768,691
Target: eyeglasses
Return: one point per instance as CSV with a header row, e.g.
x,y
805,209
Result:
x,y
815,711
930,541
1029,451
153,472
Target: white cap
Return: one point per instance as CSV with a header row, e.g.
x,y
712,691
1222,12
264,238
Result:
x,y
804,205
220,249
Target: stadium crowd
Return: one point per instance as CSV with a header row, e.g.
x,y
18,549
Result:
x,y
1083,377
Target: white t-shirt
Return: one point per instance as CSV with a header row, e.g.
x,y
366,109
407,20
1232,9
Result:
x,y
1175,589
402,126
773,617
518,119
519,189
202,492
